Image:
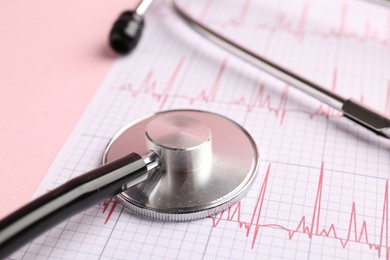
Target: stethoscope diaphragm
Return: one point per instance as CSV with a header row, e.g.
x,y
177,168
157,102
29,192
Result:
x,y
208,163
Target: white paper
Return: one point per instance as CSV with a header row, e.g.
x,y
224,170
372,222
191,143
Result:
x,y
322,187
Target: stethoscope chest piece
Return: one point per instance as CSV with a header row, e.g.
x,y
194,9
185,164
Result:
x,y
208,163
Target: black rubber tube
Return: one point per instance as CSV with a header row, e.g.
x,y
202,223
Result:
x,y
68,199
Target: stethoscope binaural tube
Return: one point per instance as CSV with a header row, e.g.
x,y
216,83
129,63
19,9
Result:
x,y
351,109
127,30
193,164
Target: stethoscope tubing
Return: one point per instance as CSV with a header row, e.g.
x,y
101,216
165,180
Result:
x,y
351,109
72,197
112,178
127,31
381,2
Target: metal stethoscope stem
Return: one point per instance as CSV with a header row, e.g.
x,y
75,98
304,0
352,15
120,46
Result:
x,y
351,109
132,23
381,2
173,164
142,7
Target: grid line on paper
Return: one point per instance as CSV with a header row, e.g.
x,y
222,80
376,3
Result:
x,y
322,168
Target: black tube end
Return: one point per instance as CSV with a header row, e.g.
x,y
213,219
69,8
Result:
x,y
126,32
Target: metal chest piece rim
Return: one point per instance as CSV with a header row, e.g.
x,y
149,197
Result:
x,y
209,162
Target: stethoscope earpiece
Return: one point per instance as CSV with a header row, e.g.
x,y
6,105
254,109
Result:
x,y
127,29
174,165
126,32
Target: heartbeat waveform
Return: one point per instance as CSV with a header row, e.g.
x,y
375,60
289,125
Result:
x,y
109,205
242,14
310,225
205,9
298,29
260,100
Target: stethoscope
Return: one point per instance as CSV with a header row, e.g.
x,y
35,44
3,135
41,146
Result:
x,y
126,33
176,165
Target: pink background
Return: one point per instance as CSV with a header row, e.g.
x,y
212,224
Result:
x,y
53,57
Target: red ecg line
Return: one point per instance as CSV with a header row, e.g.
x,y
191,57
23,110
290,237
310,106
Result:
x,y
206,8
242,14
207,95
283,24
260,100
111,205
310,225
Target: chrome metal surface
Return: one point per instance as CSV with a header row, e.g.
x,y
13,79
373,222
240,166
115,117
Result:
x,y
295,80
184,146
320,93
375,121
386,132
143,6
381,2
208,162
151,160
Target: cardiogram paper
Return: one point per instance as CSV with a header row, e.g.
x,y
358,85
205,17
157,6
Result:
x,y
322,188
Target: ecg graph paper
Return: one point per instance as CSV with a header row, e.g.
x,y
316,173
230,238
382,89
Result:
x,y
322,187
